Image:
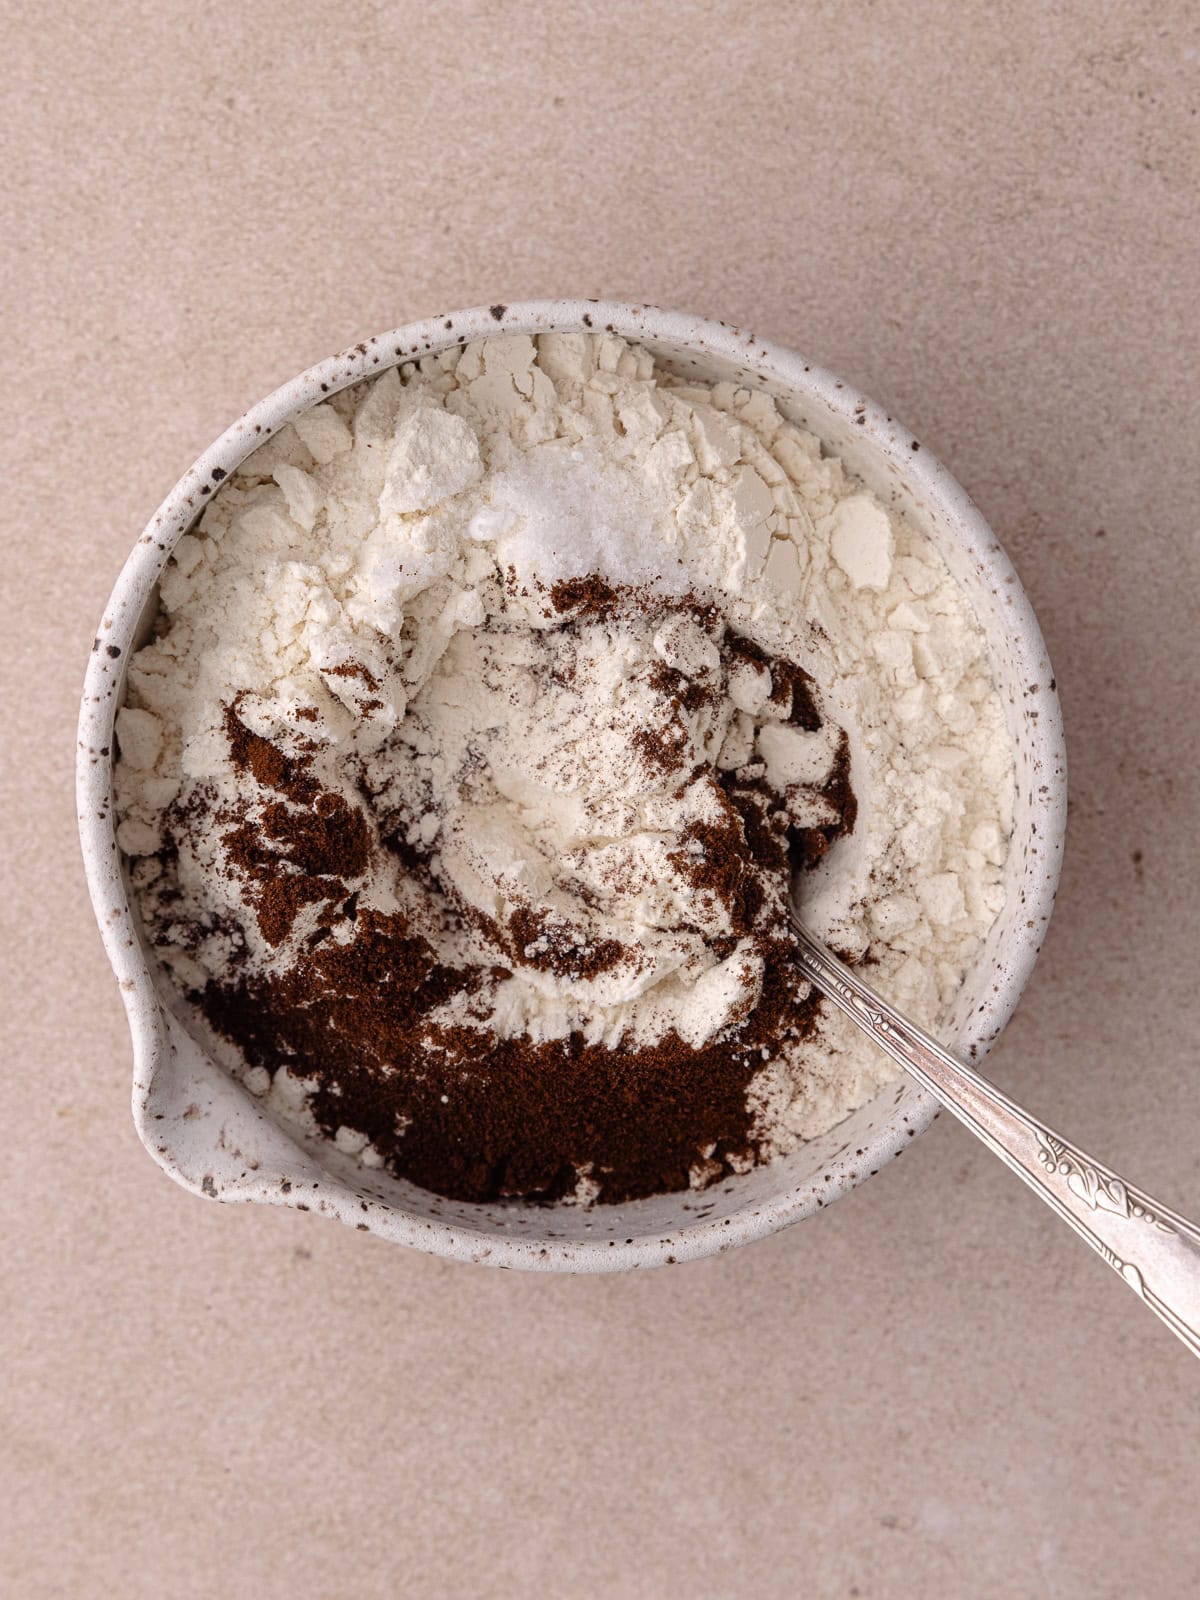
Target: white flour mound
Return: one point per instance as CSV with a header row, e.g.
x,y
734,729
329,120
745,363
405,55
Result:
x,y
383,530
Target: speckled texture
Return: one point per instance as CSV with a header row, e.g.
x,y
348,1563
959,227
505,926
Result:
x,y
989,220
214,1138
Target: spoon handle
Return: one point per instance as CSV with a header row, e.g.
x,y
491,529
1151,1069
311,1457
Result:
x,y
1155,1250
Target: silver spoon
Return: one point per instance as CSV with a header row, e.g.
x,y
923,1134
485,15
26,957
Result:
x,y
1155,1250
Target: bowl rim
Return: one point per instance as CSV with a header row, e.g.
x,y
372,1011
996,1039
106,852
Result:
x,y
758,360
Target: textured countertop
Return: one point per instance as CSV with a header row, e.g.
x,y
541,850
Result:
x,y
988,219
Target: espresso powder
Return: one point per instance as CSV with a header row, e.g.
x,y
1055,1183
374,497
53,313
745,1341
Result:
x,y
461,1111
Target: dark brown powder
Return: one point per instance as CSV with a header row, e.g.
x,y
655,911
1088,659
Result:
x,y
447,1102
281,900
713,856
475,1117
660,748
266,763
294,857
353,669
791,687
682,693
537,940
585,597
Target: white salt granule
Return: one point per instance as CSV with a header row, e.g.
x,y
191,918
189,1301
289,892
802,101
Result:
x,y
571,511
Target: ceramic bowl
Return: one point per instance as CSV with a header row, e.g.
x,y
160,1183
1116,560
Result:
x,y
215,1139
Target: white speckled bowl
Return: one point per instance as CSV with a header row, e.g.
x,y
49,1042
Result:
x,y
215,1139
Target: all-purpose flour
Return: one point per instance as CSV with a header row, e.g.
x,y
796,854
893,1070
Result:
x,y
377,593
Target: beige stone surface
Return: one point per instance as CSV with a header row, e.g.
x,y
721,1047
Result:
x,y
987,217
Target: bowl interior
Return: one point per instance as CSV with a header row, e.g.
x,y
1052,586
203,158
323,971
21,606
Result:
x,y
215,1138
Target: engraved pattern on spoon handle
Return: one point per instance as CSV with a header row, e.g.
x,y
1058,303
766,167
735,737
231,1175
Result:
x,y
1154,1249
